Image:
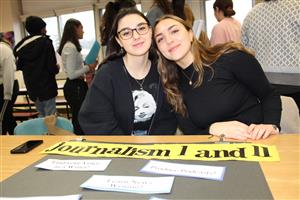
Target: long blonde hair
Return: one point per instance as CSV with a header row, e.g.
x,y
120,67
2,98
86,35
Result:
x,y
204,56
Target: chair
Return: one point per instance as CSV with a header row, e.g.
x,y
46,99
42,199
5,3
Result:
x,y
290,120
38,127
27,112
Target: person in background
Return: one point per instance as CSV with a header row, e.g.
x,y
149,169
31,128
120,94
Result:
x,y
75,87
220,90
126,96
178,8
164,7
111,10
36,59
158,9
9,88
9,37
228,29
190,20
272,30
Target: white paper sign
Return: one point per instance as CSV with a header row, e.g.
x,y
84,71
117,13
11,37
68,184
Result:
x,y
132,184
197,171
74,165
68,197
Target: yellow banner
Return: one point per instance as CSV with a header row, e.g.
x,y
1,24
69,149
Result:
x,y
208,152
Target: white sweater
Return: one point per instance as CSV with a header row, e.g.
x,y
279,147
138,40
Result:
x,y
7,70
73,62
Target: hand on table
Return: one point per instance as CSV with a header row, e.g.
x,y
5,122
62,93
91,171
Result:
x,y
231,129
261,131
241,131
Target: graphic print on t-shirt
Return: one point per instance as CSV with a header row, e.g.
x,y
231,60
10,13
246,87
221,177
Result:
x,y
144,105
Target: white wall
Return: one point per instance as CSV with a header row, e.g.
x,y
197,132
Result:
x,y
46,6
10,11
6,20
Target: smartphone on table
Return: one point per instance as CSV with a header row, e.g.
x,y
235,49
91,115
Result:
x,y
26,146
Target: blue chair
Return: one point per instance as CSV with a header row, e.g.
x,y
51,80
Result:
x,y
38,127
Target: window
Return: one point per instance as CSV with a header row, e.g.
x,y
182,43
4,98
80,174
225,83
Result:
x,y
55,29
52,30
139,7
241,8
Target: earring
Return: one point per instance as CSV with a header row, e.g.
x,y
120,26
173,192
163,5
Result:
x,y
122,50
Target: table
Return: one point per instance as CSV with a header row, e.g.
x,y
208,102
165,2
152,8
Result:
x,y
283,177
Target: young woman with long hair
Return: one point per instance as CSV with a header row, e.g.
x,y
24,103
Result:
x,y
218,90
126,96
75,87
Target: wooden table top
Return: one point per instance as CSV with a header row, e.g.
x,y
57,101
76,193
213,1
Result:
x,y
283,177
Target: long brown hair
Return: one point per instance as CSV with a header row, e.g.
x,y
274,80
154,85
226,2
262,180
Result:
x,y
204,56
69,35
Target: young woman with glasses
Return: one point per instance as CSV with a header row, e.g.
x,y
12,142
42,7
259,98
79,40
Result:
x,y
126,96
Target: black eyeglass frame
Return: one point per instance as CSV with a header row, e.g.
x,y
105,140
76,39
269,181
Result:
x,y
134,29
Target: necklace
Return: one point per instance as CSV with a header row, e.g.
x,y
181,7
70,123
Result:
x,y
139,82
189,78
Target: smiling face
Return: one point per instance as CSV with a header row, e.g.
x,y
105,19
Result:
x,y
174,41
140,42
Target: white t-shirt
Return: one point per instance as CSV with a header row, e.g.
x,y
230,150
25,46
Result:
x,y
73,62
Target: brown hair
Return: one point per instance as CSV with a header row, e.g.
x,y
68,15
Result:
x,y
115,50
190,18
164,5
204,56
226,6
111,11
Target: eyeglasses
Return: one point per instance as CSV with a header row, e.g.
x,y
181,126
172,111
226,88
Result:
x,y
127,33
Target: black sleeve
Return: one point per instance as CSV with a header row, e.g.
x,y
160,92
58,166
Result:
x,y
189,128
19,63
248,72
96,116
51,57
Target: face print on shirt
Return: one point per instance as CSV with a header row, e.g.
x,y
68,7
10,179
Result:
x,y
144,105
